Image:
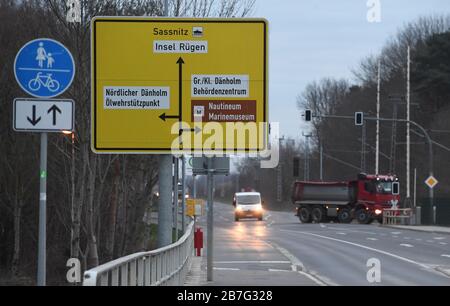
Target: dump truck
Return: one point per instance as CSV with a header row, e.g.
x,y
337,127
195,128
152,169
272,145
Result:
x,y
362,199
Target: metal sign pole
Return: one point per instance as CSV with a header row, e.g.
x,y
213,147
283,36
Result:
x,y
209,252
41,274
194,189
175,197
183,194
165,216
165,200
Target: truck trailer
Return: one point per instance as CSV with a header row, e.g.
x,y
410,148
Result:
x,y
362,199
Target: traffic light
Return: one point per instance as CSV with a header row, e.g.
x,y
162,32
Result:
x,y
359,118
395,188
308,115
296,167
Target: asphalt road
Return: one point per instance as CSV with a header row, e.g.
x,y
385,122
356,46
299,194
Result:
x,y
282,251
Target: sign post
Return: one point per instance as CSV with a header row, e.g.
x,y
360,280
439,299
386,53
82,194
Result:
x,y
159,84
42,244
44,68
210,227
431,182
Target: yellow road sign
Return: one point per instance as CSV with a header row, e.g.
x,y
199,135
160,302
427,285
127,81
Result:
x,y
431,181
151,74
195,207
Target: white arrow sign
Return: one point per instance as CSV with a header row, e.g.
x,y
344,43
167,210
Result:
x,y
43,115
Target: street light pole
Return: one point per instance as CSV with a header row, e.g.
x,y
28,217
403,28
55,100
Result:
x,y
279,173
306,170
321,161
425,133
363,147
377,153
430,156
408,145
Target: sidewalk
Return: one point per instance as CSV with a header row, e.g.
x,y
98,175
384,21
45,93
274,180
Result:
x,y
422,228
197,272
197,277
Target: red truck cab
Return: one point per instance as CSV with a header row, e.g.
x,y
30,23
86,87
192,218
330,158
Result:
x,y
375,193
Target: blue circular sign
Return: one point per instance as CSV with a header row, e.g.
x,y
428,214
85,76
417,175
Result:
x,y
44,68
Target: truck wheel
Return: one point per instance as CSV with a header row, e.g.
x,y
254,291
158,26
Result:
x,y
363,216
344,215
317,214
304,215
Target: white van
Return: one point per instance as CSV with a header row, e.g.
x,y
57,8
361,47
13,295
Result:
x,y
248,205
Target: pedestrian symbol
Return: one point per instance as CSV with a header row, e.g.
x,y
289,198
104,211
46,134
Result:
x,y
41,55
44,68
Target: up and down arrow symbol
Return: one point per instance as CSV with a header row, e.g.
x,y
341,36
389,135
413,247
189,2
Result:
x,y
33,120
54,109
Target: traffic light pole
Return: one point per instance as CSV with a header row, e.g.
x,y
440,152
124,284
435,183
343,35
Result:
x,y
425,133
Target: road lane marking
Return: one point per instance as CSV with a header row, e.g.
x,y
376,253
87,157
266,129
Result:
x,y
313,278
341,233
292,259
439,238
350,230
396,233
407,245
430,241
296,263
226,269
443,243
254,261
279,270
363,247
371,238
445,255
322,225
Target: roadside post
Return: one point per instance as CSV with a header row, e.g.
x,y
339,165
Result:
x,y
44,68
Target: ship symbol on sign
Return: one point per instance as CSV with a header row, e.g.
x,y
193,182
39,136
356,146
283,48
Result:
x,y
197,31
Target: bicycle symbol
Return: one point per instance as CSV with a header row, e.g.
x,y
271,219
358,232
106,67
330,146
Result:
x,y
43,80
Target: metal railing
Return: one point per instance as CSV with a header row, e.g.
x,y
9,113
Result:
x,y
400,216
167,266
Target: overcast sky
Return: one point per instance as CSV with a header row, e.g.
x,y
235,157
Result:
x,y
313,39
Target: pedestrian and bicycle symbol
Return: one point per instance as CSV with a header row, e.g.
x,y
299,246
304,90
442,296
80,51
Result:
x,y
44,68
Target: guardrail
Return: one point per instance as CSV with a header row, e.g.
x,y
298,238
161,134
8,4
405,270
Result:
x,y
399,216
167,266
